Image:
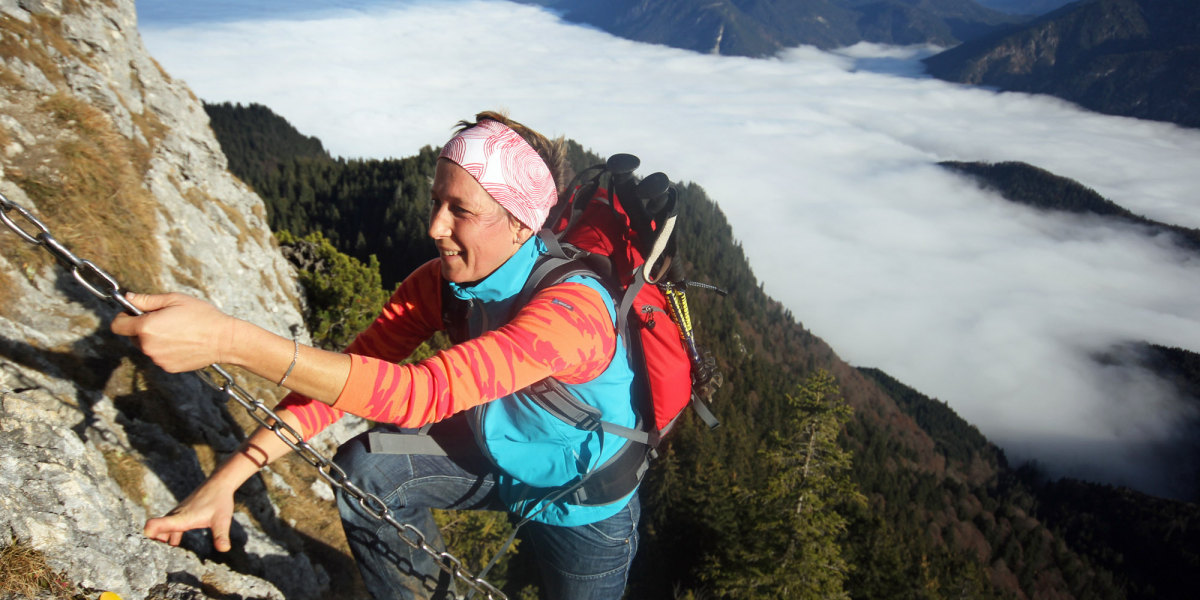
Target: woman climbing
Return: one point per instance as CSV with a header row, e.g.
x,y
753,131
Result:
x,y
494,185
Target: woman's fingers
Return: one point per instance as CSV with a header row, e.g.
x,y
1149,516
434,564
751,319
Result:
x,y
152,302
178,332
131,325
170,528
166,529
220,532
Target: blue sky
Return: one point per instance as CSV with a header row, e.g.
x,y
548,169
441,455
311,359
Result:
x,y
824,163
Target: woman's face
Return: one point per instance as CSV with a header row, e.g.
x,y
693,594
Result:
x,y
474,235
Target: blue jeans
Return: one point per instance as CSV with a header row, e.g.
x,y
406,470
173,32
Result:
x,y
584,562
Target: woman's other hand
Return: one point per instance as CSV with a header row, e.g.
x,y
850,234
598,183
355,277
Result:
x,y
209,507
178,332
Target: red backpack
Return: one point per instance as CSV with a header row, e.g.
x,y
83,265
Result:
x,y
622,235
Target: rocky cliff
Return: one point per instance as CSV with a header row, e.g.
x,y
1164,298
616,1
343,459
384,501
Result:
x,y
118,160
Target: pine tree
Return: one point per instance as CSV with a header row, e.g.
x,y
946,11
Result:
x,y
343,295
794,523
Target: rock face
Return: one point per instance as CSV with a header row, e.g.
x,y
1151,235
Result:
x,y
117,159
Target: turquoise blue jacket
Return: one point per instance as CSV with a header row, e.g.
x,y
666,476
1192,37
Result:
x,y
534,449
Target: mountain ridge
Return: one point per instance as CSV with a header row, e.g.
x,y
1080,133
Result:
x,y
1024,7
761,28
1136,58
1026,184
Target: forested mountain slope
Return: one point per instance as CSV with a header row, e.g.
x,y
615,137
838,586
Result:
x,y
250,133
364,207
930,504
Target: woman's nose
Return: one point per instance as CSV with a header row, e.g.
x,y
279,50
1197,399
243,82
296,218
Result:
x,y
437,223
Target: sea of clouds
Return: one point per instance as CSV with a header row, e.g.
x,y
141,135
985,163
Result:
x,y
824,163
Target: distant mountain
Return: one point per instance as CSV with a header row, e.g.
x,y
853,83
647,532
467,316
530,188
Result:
x,y
1027,184
764,27
1136,58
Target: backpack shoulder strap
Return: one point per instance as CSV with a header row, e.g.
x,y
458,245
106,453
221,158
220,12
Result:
x,y
562,262
621,473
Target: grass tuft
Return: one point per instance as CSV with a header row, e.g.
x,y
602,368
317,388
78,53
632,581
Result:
x,y
189,270
9,79
90,195
25,573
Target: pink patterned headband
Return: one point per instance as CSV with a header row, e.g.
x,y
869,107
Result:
x,y
508,168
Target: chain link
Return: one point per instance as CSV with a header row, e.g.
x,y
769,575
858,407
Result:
x,y
105,286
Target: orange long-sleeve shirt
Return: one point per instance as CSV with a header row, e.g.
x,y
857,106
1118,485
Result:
x,y
565,331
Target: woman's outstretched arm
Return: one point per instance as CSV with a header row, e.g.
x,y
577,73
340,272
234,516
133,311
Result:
x,y
181,333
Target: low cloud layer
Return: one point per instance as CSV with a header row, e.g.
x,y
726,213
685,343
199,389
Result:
x,y
825,164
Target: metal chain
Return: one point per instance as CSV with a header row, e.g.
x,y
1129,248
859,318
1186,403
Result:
x,y
105,287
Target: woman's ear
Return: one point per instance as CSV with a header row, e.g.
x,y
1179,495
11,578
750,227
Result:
x,y
521,233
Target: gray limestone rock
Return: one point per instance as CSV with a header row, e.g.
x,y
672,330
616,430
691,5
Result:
x,y
94,439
